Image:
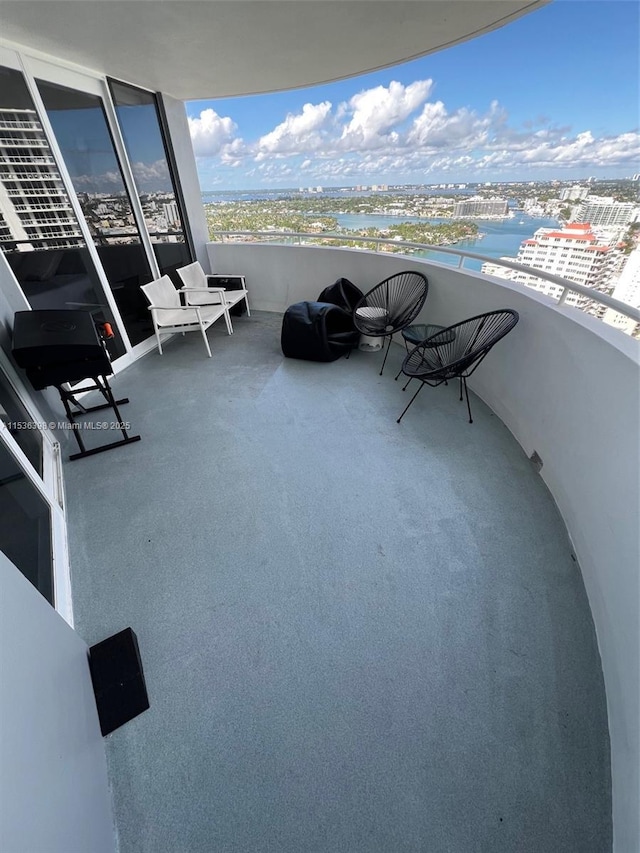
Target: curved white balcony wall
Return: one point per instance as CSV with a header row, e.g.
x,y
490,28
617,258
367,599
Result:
x,y
567,387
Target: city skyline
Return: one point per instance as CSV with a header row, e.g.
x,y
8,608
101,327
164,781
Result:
x,y
552,96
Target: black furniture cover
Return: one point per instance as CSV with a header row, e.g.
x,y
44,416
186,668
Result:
x,y
58,345
343,293
317,331
231,282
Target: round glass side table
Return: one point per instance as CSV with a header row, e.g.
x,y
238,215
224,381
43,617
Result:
x,y
414,335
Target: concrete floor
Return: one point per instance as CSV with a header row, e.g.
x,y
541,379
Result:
x,y
357,636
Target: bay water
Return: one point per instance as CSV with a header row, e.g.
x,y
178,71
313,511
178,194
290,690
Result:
x,y
496,237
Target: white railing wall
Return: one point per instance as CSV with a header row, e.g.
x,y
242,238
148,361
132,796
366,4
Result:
x,y
456,256
567,386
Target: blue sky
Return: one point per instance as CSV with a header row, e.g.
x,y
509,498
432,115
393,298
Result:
x,y
553,95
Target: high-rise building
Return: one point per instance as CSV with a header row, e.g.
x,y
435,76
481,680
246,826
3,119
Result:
x,y
481,207
34,206
627,290
574,252
170,213
605,212
574,192
497,270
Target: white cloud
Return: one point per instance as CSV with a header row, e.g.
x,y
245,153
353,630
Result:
x,y
583,150
376,111
533,155
148,177
234,153
151,174
103,182
395,133
275,172
297,133
210,133
436,128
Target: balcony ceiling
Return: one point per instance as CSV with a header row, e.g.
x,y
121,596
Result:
x,y
214,48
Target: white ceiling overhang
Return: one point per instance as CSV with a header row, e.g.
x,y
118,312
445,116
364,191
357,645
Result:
x,y
214,48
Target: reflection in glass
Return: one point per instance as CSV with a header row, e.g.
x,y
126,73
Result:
x,y
25,525
81,130
39,232
137,113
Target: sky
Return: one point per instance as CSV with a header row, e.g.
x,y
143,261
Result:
x,y
554,95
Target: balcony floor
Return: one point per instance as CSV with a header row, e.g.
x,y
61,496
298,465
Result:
x,y
356,636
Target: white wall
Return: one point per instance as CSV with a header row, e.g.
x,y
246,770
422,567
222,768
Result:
x,y
568,387
54,794
277,276
189,183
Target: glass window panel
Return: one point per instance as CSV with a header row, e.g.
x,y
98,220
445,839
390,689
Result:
x,y
39,232
20,425
79,123
25,525
139,122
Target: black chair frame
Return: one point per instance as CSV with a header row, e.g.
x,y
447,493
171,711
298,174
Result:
x,y
399,298
456,352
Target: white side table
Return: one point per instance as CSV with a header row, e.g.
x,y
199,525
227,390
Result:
x,y
368,343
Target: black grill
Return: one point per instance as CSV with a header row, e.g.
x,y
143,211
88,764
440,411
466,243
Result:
x,y
59,347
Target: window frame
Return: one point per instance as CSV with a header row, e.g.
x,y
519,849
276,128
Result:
x,y
165,136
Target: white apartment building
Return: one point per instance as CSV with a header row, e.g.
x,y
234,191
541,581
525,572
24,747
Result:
x,y
573,252
170,212
573,193
498,271
605,212
34,207
481,207
627,290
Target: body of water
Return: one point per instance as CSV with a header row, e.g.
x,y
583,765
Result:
x,y
496,238
503,238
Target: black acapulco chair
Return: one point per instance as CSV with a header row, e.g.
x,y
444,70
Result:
x,y
391,306
456,351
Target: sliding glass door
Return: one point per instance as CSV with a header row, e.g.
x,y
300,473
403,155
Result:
x,y
139,120
89,209
79,122
40,234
